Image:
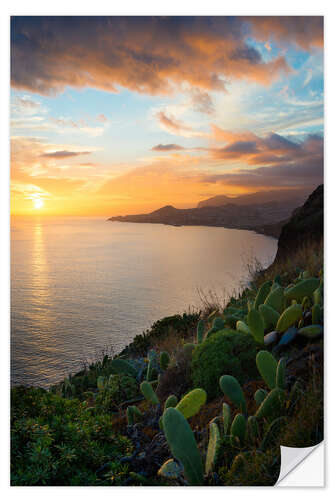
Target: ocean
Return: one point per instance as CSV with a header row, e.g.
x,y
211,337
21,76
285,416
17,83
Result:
x,y
80,285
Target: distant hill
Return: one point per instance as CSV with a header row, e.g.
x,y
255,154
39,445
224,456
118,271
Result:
x,y
298,195
262,217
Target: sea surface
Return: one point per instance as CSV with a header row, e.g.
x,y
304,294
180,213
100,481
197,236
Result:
x,y
79,285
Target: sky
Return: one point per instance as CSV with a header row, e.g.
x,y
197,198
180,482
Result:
x,y
121,115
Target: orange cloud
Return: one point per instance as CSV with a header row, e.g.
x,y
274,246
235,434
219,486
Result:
x,y
304,31
145,54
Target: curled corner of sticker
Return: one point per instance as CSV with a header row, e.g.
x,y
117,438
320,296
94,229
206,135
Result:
x,y
292,458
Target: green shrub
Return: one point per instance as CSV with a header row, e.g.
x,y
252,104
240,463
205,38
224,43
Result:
x,y
56,442
224,353
118,389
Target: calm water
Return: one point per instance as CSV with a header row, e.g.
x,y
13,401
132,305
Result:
x,y
80,284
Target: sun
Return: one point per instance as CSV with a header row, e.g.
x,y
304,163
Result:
x,y
38,203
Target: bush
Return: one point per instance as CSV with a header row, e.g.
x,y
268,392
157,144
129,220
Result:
x,y
224,353
119,388
57,442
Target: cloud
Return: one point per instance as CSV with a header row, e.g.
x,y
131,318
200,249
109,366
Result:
x,y
303,31
145,54
167,147
64,154
177,127
101,118
202,102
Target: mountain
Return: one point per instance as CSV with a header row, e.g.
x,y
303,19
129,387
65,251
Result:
x,y
305,226
259,217
285,195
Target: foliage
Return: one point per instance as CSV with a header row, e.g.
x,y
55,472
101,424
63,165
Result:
x,y
224,353
56,441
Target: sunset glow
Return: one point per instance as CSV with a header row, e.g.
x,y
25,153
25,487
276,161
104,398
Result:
x,y
38,203
171,111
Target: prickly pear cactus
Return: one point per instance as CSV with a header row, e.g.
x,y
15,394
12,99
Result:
x,y
269,315
281,373
213,449
262,294
275,299
267,366
200,331
226,414
272,405
238,429
242,327
259,396
304,288
256,325
289,317
190,404
231,388
171,401
149,393
182,444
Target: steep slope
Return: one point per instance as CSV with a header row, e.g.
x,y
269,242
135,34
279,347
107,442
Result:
x,y
305,225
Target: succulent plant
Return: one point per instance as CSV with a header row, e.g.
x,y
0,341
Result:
x,y
171,401
256,325
311,331
275,299
131,413
231,388
270,316
243,327
289,317
262,294
304,288
252,429
238,429
213,449
272,434
200,331
171,469
183,446
316,314
281,373
226,413
191,403
259,396
149,393
267,366
272,404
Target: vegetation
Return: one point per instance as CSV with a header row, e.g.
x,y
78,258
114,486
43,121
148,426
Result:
x,y
205,398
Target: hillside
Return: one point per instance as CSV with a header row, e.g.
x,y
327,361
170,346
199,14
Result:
x,y
293,196
254,216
